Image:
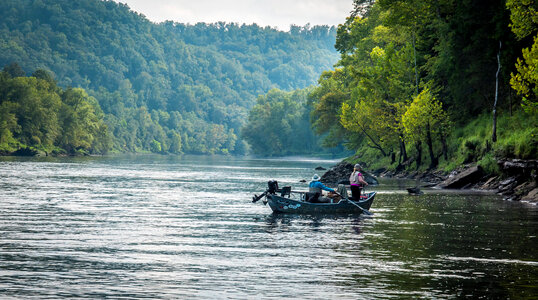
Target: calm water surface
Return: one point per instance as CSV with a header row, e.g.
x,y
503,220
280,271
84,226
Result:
x,y
184,227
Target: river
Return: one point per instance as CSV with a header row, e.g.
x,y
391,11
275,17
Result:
x,y
150,226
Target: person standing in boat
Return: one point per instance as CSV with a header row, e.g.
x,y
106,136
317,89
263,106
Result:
x,y
356,181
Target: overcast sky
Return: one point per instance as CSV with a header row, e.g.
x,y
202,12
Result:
x,y
275,13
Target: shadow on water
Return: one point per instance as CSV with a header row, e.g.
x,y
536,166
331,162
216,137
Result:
x,y
277,222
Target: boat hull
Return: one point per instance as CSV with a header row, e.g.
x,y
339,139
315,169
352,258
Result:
x,y
291,206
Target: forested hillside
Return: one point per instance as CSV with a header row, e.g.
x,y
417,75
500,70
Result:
x,y
166,87
431,84
426,83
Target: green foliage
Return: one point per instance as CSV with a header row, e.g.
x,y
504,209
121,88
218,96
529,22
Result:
x,y
161,81
489,164
425,120
525,81
521,143
472,148
370,159
279,124
422,73
372,87
155,146
327,100
82,123
425,114
516,139
14,70
36,113
524,17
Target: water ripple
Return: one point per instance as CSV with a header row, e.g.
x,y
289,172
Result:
x,y
184,227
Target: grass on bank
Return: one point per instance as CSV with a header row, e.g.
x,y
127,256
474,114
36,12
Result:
x,y
471,144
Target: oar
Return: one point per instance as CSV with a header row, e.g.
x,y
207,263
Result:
x,y
364,210
255,198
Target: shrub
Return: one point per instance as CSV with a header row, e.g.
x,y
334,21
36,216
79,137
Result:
x,y
155,146
489,164
472,148
520,144
35,140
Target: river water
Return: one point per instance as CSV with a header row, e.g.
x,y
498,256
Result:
x,y
152,226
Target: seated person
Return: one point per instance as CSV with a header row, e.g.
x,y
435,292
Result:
x,y
316,186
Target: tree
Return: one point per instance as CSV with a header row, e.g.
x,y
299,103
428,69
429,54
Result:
x,y
410,17
175,145
423,120
81,120
383,85
326,101
8,126
36,113
494,131
278,124
37,105
44,75
14,70
524,17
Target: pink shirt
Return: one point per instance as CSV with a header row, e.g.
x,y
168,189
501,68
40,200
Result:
x,y
354,178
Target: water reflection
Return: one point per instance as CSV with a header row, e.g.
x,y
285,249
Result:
x,y
283,222
178,227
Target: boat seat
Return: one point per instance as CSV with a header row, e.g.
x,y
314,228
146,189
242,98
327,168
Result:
x,y
285,191
311,197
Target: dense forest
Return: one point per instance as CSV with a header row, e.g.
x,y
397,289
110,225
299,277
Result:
x,y
279,124
35,111
404,84
432,83
167,87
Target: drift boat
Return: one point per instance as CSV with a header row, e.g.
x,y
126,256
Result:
x,y
294,202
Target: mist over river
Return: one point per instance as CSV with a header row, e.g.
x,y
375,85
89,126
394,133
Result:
x,y
151,226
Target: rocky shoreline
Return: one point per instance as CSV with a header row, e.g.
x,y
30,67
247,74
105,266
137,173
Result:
x,y
518,180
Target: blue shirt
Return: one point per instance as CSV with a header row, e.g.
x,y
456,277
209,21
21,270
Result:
x,y
317,184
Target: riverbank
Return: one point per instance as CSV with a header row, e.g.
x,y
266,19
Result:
x,y
33,152
517,179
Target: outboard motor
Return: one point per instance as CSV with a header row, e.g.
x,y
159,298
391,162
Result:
x,y
272,186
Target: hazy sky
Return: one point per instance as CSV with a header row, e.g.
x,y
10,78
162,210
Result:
x,y
275,13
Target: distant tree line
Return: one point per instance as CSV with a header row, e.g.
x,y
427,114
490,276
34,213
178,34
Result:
x,y
279,124
165,87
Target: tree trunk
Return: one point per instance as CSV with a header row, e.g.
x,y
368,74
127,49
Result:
x,y
494,133
433,159
415,56
510,99
376,145
402,147
445,146
418,146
